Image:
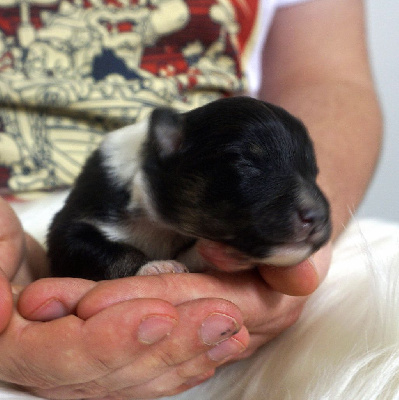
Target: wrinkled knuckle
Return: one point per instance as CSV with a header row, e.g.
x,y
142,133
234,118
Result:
x,y
196,367
168,359
104,365
189,370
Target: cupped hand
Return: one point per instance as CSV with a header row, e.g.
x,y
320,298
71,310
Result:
x,y
141,348
266,312
134,349
73,338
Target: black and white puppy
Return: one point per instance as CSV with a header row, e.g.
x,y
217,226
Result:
x,y
237,171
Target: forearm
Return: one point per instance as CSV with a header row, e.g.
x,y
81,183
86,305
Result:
x,y
316,66
344,121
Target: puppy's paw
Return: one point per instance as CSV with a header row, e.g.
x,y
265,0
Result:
x,y
162,267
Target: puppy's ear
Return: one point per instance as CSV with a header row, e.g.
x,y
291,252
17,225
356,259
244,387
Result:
x,y
166,131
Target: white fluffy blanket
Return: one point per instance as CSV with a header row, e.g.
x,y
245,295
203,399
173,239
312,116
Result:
x,y
344,347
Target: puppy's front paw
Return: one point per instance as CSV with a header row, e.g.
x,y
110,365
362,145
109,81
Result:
x,y
162,267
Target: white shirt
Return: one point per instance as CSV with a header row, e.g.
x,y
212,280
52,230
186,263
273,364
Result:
x,y
268,10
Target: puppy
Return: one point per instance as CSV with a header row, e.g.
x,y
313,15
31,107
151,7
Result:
x,y
237,171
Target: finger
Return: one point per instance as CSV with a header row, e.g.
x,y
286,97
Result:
x,y
270,329
128,329
246,289
47,299
192,372
302,279
204,339
171,383
127,393
175,288
203,326
223,257
145,364
298,280
70,350
258,304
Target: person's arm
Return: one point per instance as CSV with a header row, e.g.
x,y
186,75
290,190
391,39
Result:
x,y
316,66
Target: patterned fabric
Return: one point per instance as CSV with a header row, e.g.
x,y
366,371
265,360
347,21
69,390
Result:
x,y
71,70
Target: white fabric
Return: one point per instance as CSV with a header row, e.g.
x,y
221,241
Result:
x,y
267,9
346,344
285,3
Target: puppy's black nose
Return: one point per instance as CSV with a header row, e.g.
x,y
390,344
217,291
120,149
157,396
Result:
x,y
313,224
312,216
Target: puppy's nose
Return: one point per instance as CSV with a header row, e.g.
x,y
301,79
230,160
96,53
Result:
x,y
313,216
313,224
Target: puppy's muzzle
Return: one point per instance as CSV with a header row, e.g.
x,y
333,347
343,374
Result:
x,y
310,229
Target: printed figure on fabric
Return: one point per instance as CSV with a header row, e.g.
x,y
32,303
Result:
x,y
71,70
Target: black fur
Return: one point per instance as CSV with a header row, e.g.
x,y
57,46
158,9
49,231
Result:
x,y
76,247
238,171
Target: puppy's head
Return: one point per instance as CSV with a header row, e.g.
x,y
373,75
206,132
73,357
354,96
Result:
x,y
238,171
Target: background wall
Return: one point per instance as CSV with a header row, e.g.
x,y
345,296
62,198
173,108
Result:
x,y
382,200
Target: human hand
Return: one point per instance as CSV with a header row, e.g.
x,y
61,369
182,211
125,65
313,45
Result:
x,y
266,312
284,290
141,348
138,348
271,299
41,342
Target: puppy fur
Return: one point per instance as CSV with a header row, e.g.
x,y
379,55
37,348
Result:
x,y
237,171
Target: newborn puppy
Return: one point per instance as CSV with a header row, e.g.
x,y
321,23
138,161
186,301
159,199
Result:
x,y
238,171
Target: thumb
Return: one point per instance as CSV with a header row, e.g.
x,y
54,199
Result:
x,y
302,279
298,280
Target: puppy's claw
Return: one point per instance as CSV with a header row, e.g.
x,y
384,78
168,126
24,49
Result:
x,y
162,267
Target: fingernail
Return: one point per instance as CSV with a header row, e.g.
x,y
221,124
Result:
x,y
154,328
226,350
218,327
51,309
